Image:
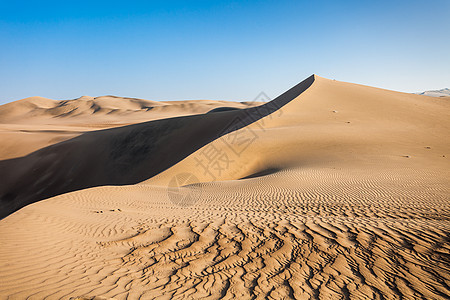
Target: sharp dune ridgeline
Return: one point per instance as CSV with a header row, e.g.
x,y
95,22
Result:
x,y
332,190
122,155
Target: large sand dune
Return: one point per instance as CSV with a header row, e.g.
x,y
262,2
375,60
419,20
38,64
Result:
x,y
332,191
124,155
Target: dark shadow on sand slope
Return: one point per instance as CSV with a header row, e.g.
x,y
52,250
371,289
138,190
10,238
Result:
x,y
120,156
262,173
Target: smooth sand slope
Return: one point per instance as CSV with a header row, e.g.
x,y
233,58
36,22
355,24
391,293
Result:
x,y
336,191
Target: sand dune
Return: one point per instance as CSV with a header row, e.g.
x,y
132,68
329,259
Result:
x,y
107,110
33,123
124,155
332,191
334,124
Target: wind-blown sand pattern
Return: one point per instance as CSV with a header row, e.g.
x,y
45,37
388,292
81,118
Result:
x,y
340,193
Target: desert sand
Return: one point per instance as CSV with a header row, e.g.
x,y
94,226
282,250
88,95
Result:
x,y
332,190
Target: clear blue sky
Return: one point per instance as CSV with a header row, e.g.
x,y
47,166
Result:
x,y
232,50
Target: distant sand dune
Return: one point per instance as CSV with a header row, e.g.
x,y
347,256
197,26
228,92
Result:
x,y
33,123
106,108
341,191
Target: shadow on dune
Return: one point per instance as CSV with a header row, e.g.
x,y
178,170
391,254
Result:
x,y
262,173
120,156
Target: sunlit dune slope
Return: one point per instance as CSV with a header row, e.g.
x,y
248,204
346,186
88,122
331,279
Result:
x,y
331,124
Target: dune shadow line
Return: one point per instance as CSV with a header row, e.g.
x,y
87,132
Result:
x,y
123,155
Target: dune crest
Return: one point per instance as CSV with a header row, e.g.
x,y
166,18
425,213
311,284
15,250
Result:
x,y
122,155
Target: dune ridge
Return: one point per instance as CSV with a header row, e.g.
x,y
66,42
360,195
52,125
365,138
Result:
x,y
124,155
340,193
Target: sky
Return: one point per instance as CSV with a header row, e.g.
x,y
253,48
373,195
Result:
x,y
222,50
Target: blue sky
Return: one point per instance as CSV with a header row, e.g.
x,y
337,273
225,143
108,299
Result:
x,y
230,50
